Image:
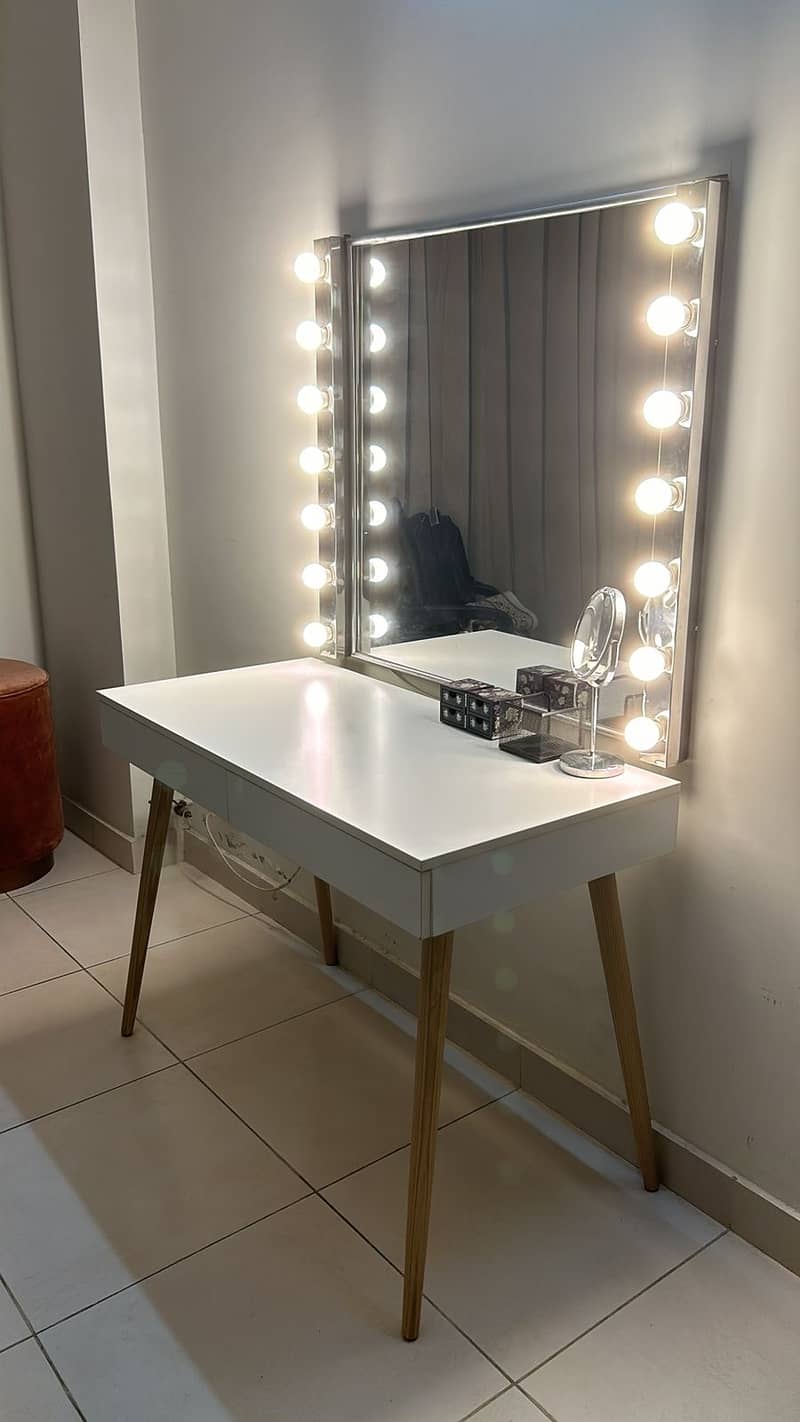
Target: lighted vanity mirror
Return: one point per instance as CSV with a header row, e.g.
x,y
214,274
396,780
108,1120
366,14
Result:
x,y
521,411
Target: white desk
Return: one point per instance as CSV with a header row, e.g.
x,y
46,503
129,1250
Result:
x,y
433,828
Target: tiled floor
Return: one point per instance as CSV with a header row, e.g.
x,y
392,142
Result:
x,y
204,1221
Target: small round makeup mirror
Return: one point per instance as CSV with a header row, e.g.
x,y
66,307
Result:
x,y
594,656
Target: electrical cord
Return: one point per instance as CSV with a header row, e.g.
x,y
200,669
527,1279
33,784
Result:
x,y
257,882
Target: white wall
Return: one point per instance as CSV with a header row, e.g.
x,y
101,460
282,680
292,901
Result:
x,y
268,125
19,598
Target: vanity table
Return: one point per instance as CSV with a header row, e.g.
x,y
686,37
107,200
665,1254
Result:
x,y
358,781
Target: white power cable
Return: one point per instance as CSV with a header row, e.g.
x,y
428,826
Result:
x,y
260,881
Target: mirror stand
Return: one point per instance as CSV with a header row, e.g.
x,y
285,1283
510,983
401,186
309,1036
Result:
x,y
592,764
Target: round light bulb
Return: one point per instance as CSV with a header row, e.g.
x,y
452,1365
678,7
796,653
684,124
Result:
x,y
652,579
378,513
647,663
309,267
311,399
377,458
377,272
378,570
675,222
643,733
664,408
377,337
316,575
313,460
314,517
316,634
377,400
655,496
378,626
310,335
667,314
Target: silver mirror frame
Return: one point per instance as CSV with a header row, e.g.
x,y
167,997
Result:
x,y
338,307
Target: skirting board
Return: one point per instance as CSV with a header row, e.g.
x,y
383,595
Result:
x,y
121,848
741,1206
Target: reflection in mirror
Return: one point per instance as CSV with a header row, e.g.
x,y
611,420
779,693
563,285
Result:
x,y
525,395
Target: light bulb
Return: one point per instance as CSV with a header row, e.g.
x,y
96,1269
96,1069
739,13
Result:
x,y
667,314
377,400
377,513
313,460
377,458
652,579
377,337
316,634
647,663
378,570
377,272
314,517
311,399
378,626
316,575
655,496
664,408
309,267
675,222
310,335
643,733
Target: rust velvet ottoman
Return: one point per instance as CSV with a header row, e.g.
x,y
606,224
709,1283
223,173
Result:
x,y
31,818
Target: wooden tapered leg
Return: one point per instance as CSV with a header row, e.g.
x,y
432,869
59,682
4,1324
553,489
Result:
x,y
154,841
437,955
611,937
327,927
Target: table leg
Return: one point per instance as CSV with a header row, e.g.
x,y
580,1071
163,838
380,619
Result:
x,y
437,954
326,925
611,937
154,841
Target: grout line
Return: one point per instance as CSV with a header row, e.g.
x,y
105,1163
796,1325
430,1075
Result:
x,y
70,973
35,1338
476,1411
92,1096
268,1026
633,1298
62,883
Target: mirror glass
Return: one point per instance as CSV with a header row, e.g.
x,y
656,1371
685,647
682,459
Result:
x,y
595,644
524,412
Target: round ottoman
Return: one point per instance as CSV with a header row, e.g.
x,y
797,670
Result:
x,y
31,819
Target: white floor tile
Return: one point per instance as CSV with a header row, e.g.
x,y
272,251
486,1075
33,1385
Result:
x,y
74,860
511,1407
93,918
27,954
717,1341
296,1320
537,1233
201,991
13,1327
60,1041
30,1390
105,1192
332,1090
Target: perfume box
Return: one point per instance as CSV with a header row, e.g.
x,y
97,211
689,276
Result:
x,y
493,712
453,700
555,690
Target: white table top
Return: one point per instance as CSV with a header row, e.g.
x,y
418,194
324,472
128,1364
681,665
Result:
x,y
373,759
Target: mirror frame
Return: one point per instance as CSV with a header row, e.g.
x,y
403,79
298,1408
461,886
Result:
x,y
338,361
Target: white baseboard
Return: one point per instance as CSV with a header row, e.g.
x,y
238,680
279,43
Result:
x,y
769,1224
123,849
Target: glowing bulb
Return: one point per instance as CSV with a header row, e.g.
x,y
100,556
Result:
x,y
314,517
309,267
676,223
378,626
664,408
643,733
311,399
313,460
377,513
316,634
310,335
377,399
377,272
377,337
316,575
378,570
377,458
646,663
667,314
655,496
652,579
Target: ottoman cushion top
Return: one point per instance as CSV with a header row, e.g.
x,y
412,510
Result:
x,y
18,677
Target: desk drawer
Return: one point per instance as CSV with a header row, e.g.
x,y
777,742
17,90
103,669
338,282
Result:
x,y
169,761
